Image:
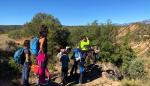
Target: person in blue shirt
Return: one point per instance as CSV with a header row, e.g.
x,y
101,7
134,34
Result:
x,y
76,58
64,67
82,69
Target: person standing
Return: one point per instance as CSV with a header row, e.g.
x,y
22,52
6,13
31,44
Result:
x,y
76,58
84,46
42,58
64,67
27,64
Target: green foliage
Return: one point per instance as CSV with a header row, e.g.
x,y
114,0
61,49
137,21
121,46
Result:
x,y
136,69
102,35
57,37
105,56
75,35
14,67
9,68
60,37
32,28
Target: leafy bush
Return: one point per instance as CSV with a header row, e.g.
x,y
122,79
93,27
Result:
x,y
60,37
32,28
105,56
136,69
9,68
14,67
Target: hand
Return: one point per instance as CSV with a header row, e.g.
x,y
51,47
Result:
x,y
87,38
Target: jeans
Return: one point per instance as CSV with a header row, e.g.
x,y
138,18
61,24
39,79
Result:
x,y
74,67
25,73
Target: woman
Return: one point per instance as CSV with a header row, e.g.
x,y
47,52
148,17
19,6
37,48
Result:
x,y
42,62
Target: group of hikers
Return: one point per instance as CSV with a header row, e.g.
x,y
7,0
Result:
x,y
80,55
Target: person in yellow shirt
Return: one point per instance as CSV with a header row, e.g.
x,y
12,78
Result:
x,y
84,46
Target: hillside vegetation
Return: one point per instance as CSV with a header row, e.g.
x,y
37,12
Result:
x,y
7,28
123,46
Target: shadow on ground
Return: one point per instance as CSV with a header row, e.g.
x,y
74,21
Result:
x,y
92,72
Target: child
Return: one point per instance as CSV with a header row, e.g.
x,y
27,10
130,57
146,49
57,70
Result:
x,y
82,69
27,64
64,69
60,53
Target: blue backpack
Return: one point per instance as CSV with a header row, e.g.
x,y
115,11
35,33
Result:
x,y
19,56
77,54
34,48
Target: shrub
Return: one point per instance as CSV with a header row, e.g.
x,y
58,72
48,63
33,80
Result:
x,y
136,69
105,56
14,67
10,69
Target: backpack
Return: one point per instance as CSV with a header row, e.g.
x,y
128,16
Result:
x,y
77,54
34,48
19,56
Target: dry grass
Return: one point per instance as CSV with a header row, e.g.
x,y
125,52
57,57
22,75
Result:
x,y
102,82
4,38
139,82
127,82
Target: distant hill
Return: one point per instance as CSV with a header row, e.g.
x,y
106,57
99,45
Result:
x,y
145,21
6,28
139,22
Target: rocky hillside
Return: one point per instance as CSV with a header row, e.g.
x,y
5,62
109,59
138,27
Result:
x,y
141,47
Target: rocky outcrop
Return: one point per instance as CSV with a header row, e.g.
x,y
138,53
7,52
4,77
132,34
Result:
x,y
111,71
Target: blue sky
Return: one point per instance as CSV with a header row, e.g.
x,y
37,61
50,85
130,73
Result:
x,y
75,12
